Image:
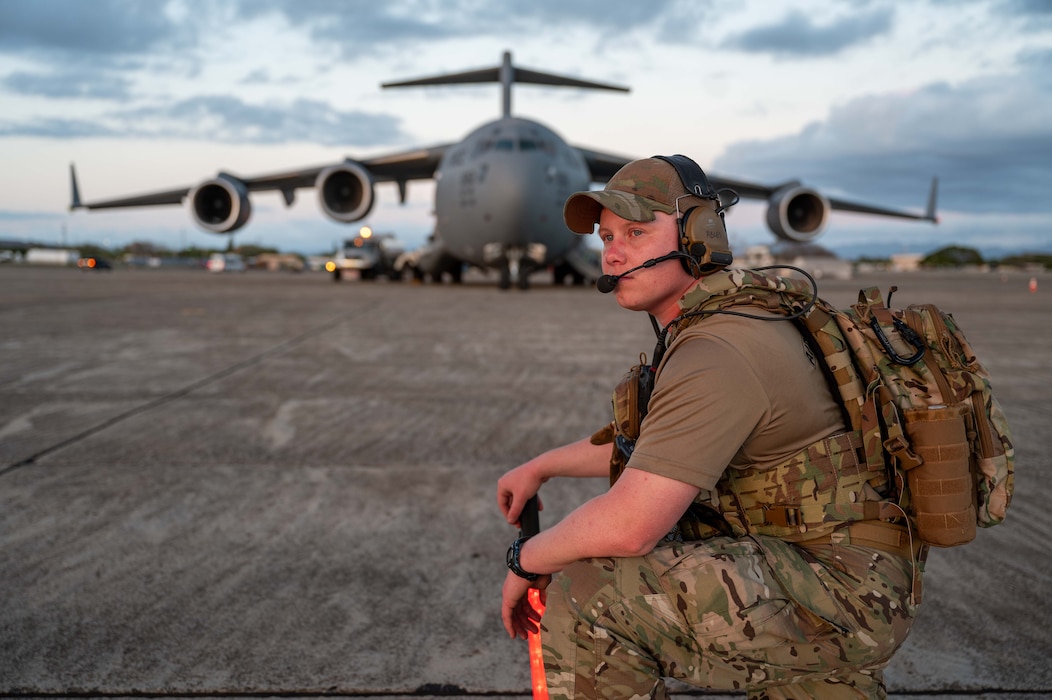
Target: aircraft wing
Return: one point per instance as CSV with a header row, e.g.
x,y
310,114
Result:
x,y
751,190
602,165
416,164
795,212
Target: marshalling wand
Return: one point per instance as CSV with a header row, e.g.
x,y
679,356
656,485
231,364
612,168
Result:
x,y
529,525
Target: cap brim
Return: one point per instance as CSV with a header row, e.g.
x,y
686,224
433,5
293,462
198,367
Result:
x,y
582,209
581,212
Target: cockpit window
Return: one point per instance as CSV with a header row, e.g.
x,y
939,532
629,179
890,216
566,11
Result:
x,y
505,145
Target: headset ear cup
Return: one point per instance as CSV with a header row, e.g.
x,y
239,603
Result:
x,y
693,238
690,247
704,239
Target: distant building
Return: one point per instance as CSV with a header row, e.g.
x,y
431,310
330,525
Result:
x,y
757,256
815,259
277,261
906,262
52,256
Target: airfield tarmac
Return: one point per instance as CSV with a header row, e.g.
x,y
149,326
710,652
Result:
x,y
268,484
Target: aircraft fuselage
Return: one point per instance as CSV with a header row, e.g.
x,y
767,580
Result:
x,y
500,192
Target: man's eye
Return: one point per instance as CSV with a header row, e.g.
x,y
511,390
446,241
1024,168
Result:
x,y
637,232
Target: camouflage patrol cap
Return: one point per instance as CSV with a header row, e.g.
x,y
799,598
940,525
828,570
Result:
x,y
635,192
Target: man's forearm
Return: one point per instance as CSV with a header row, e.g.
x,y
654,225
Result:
x,y
577,459
626,521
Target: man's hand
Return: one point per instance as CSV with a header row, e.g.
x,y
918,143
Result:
x,y
578,459
513,490
519,616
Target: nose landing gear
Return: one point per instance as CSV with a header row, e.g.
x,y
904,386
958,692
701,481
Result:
x,y
516,263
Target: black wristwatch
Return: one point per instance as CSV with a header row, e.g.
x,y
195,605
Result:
x,y
513,560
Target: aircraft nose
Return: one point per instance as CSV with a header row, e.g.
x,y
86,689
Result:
x,y
518,202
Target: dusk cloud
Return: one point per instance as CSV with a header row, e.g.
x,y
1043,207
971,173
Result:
x,y
799,34
116,27
68,84
226,119
988,140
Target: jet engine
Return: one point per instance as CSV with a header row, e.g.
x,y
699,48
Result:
x,y
796,213
345,191
220,205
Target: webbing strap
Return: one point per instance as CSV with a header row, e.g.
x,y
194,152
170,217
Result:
x,y
896,443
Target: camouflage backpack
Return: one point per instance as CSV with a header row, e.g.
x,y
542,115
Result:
x,y
912,385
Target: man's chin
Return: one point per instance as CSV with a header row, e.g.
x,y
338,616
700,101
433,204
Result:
x,y
627,300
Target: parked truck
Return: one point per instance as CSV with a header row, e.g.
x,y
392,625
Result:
x,y
367,256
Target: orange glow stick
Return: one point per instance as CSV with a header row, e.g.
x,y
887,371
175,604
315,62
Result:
x,y
540,683
529,525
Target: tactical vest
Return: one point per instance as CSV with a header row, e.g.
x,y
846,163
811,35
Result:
x,y
807,497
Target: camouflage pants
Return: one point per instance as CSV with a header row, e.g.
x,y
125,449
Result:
x,y
750,614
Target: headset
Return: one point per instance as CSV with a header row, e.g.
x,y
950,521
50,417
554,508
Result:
x,y
702,230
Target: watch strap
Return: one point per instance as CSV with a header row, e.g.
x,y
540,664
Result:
x,y
514,552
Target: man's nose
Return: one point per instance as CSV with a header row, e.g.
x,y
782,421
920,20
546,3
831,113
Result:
x,y
613,253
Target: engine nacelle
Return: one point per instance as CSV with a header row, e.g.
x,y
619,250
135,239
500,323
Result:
x,y
345,191
220,205
796,213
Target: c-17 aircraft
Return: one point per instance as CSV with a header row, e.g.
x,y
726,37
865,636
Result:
x,y
499,191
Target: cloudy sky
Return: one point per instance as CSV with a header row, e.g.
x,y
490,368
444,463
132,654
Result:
x,y
866,99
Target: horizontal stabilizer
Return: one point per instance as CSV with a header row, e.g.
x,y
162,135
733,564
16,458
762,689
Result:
x,y
505,74
484,75
492,75
538,78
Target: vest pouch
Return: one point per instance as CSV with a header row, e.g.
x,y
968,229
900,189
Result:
x,y
630,399
942,488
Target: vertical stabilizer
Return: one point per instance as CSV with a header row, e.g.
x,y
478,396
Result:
x,y
505,74
507,77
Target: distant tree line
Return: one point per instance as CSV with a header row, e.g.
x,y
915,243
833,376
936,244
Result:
x,y
960,256
953,256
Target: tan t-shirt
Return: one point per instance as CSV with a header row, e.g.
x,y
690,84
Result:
x,y
736,392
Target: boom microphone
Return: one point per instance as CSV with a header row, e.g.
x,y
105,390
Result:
x,y
606,283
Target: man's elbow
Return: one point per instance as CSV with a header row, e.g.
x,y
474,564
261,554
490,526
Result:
x,y
636,544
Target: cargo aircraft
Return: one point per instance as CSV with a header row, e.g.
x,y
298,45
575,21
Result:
x,y
499,191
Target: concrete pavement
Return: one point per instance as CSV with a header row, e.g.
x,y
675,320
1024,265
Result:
x,y
268,484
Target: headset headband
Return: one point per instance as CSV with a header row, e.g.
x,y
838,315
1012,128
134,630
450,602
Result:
x,y
691,175
702,236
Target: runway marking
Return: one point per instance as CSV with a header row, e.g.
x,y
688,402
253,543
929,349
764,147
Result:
x,y
193,386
